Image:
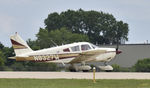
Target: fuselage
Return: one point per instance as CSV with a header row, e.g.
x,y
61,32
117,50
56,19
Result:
x,y
69,53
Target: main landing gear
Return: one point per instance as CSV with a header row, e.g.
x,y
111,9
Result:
x,y
83,67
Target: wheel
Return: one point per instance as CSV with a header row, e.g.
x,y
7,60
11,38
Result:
x,y
85,70
108,70
72,70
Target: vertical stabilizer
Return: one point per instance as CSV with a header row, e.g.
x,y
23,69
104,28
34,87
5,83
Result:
x,y
19,45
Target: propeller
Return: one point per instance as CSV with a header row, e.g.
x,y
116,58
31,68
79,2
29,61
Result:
x,y
117,48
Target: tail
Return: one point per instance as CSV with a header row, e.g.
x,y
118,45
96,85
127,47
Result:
x,y
19,45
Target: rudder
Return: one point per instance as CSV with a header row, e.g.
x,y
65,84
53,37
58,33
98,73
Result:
x,y
19,45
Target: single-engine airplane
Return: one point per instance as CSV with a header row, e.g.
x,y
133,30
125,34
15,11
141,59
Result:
x,y
80,52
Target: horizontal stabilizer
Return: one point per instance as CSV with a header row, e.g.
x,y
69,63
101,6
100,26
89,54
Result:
x,y
22,58
12,57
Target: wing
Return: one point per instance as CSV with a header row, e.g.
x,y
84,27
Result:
x,y
87,56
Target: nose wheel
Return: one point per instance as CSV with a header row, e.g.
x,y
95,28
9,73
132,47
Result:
x,y
106,67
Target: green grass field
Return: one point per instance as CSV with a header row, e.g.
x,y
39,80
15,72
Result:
x,y
72,83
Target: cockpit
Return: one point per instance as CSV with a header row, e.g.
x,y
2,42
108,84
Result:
x,y
80,47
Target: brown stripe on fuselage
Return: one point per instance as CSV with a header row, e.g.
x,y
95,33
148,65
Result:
x,y
42,58
51,59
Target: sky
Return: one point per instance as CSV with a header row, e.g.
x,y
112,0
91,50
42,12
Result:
x,y
27,16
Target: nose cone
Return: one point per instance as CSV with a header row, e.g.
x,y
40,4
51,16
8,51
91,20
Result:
x,y
118,51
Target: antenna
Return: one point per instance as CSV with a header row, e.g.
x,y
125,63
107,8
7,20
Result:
x,y
54,43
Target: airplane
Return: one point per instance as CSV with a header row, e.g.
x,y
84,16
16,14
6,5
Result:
x,y
79,52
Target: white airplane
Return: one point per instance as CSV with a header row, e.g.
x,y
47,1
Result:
x,y
81,52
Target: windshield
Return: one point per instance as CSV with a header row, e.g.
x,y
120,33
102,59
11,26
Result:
x,y
94,46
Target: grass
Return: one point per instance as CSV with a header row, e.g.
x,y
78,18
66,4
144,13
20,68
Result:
x,y
72,83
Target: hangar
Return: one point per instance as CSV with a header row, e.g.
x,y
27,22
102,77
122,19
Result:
x,y
131,53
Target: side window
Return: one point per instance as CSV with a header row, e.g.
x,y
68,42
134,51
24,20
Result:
x,y
75,48
85,47
66,50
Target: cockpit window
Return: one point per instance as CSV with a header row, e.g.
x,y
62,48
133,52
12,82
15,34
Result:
x,y
85,47
66,50
75,48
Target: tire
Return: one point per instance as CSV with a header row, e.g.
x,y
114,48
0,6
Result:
x,y
85,70
108,70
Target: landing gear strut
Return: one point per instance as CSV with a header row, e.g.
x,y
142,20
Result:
x,y
105,63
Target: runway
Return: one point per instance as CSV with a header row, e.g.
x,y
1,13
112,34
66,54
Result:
x,y
75,75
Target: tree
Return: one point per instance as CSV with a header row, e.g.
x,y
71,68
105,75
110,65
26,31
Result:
x,y
33,44
54,22
8,52
2,56
143,65
1,59
43,38
63,36
1,46
100,27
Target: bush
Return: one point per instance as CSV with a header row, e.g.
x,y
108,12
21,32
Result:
x,y
42,66
5,68
33,66
18,66
143,65
117,68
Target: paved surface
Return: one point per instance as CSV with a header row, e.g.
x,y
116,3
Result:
x,y
75,75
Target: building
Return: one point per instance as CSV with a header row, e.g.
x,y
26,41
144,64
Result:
x,y
131,53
